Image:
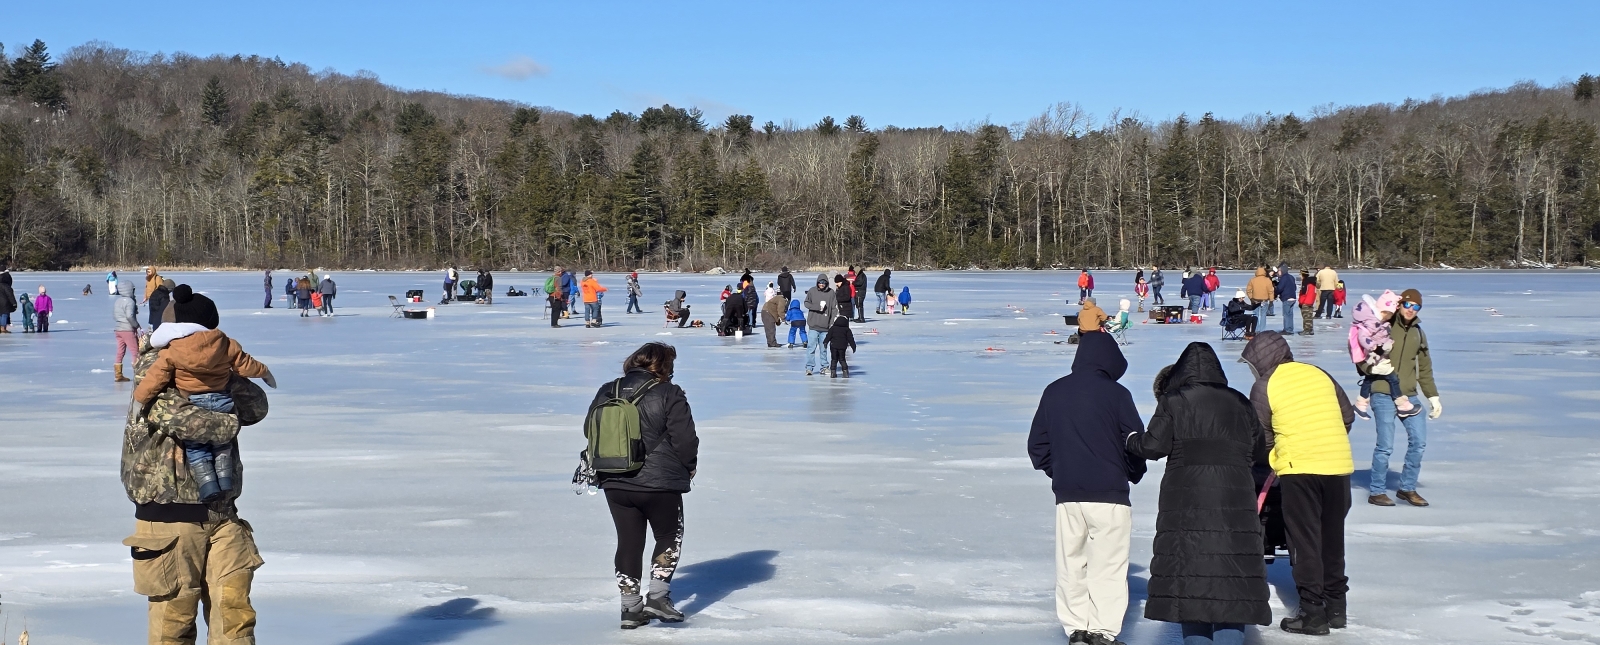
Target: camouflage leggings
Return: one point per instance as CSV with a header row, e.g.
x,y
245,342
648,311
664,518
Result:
x,y
631,511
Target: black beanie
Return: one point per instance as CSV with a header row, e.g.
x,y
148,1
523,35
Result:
x,y
190,307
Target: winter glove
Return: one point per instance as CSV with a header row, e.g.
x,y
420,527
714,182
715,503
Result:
x,y
1383,368
269,380
1436,408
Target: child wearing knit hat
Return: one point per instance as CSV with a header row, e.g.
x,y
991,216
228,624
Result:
x,y
1369,350
199,360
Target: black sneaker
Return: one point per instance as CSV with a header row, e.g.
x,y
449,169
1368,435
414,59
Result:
x,y
1077,637
1097,638
662,609
635,619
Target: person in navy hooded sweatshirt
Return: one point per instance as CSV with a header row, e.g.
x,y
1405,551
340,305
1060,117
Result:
x,y
1078,441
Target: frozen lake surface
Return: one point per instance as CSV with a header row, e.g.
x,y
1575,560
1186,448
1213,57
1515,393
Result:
x,y
411,483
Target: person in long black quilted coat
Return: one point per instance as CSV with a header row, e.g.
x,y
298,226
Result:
x,y
1206,570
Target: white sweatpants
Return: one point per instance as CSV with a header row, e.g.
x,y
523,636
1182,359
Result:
x,y
1092,566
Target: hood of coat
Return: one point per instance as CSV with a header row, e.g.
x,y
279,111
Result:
x,y
124,289
1365,313
1098,352
794,306
1266,352
1197,365
822,281
1261,272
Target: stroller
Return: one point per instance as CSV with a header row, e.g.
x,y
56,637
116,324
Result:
x,y
1270,511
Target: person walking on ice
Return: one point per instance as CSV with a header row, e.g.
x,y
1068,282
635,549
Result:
x,y
1077,439
1414,365
1307,417
646,491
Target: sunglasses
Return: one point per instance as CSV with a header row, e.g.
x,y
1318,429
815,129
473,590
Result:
x,y
1414,306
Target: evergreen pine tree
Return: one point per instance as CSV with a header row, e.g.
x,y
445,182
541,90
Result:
x,y
1584,89
855,124
214,102
826,127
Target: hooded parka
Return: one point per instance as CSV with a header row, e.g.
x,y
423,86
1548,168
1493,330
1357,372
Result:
x,y
1206,562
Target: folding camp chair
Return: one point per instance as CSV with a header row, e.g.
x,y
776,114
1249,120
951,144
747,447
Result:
x,y
398,307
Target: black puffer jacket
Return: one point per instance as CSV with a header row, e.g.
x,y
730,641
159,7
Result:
x,y
672,448
1206,560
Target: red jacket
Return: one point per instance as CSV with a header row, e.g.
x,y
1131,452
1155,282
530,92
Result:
x,y
1308,297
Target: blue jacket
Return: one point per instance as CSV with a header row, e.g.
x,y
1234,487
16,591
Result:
x,y
1286,287
905,296
795,313
1082,424
569,284
1194,285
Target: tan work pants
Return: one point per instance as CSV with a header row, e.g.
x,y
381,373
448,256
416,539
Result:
x,y
181,565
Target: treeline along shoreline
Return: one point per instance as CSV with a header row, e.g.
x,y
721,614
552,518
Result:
x,y
114,158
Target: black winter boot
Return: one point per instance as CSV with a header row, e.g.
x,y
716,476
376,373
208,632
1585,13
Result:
x,y
635,618
1312,620
1336,615
662,609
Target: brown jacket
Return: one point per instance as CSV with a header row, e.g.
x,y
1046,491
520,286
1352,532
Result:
x,y
197,363
777,307
1090,318
1259,288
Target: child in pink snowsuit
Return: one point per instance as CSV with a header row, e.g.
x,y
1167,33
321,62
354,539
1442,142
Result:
x,y
1369,350
43,306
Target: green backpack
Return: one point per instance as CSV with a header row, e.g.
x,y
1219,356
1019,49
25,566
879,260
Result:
x,y
612,428
550,285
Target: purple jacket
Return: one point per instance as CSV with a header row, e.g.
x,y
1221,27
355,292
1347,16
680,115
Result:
x,y
43,304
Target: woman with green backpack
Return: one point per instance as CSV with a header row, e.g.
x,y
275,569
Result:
x,y
643,450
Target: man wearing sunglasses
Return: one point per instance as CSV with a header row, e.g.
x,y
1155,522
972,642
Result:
x,y
1415,367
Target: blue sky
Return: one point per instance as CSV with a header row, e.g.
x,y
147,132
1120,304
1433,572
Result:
x,y
900,63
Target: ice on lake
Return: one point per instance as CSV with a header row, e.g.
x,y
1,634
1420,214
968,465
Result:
x,y
411,482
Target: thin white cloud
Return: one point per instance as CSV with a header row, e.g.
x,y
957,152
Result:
x,y
518,68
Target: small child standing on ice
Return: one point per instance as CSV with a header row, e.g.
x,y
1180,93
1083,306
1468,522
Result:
x,y
199,360
905,300
797,323
1369,350
840,337
43,306
25,307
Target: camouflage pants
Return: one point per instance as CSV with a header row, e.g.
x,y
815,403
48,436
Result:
x,y
1306,316
632,512
181,566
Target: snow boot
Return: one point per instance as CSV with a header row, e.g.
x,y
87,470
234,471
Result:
x,y
1336,614
846,371
1404,408
634,619
833,372
1411,497
1312,620
661,609
1363,406
1380,500
1078,637
119,377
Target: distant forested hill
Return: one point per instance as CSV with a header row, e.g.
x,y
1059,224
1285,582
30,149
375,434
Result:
x,y
113,157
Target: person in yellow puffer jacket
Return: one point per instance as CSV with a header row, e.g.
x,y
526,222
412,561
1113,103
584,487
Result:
x,y
1307,419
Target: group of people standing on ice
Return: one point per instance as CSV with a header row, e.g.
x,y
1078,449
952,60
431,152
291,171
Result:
x,y
35,312
1207,567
